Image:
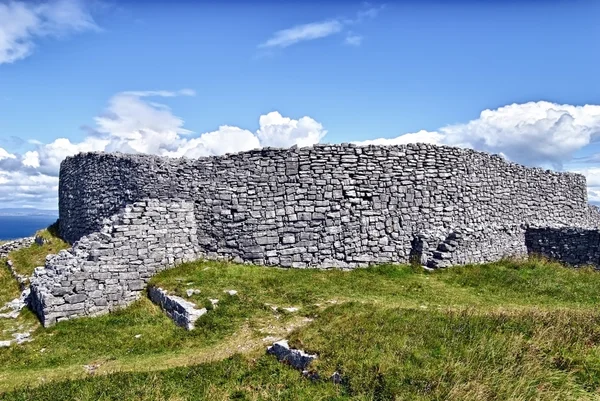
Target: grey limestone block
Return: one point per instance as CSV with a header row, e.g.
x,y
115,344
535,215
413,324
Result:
x,y
294,357
181,311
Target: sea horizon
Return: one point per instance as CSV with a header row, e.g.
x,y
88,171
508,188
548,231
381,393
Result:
x,y
20,226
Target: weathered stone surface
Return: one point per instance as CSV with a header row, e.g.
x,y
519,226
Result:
x,y
574,246
103,271
191,292
130,216
15,306
294,357
182,312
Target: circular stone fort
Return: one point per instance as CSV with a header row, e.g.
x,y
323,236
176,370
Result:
x,y
344,206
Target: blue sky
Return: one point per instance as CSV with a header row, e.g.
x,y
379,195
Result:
x,y
91,72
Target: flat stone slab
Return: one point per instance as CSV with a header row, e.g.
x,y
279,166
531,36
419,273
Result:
x,y
14,307
294,357
184,313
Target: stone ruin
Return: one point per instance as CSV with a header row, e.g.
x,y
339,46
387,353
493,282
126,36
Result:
x,y
130,216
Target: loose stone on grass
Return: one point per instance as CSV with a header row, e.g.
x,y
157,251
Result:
x,y
182,312
15,306
191,291
21,338
336,378
294,357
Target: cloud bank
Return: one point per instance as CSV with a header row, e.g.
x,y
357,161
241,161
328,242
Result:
x,y
22,23
535,133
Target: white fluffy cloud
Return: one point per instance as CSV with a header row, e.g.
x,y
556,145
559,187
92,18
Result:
x,y
5,155
417,137
278,131
226,139
22,23
534,133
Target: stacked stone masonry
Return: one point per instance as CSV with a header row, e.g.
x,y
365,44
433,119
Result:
x,y
15,245
325,206
108,269
574,246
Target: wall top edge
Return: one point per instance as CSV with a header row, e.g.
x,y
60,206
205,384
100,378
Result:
x,y
322,147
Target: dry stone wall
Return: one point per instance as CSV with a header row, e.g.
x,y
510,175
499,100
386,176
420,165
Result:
x,y
14,245
574,246
324,206
108,269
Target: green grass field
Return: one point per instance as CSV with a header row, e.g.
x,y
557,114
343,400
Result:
x,y
512,330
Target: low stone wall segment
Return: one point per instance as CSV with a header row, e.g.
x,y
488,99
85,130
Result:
x,y
14,245
109,269
184,313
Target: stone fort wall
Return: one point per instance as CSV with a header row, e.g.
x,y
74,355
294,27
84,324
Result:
x,y
329,205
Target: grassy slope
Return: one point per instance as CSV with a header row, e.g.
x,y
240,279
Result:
x,y
500,331
24,262
27,259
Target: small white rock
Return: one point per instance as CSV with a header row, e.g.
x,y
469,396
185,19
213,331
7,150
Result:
x,y
191,292
138,336
4,344
21,338
291,309
214,302
231,292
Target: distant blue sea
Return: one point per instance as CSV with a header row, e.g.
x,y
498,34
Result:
x,y
12,227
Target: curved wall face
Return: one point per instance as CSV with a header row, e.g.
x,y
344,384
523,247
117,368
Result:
x,y
329,205
346,206
95,186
